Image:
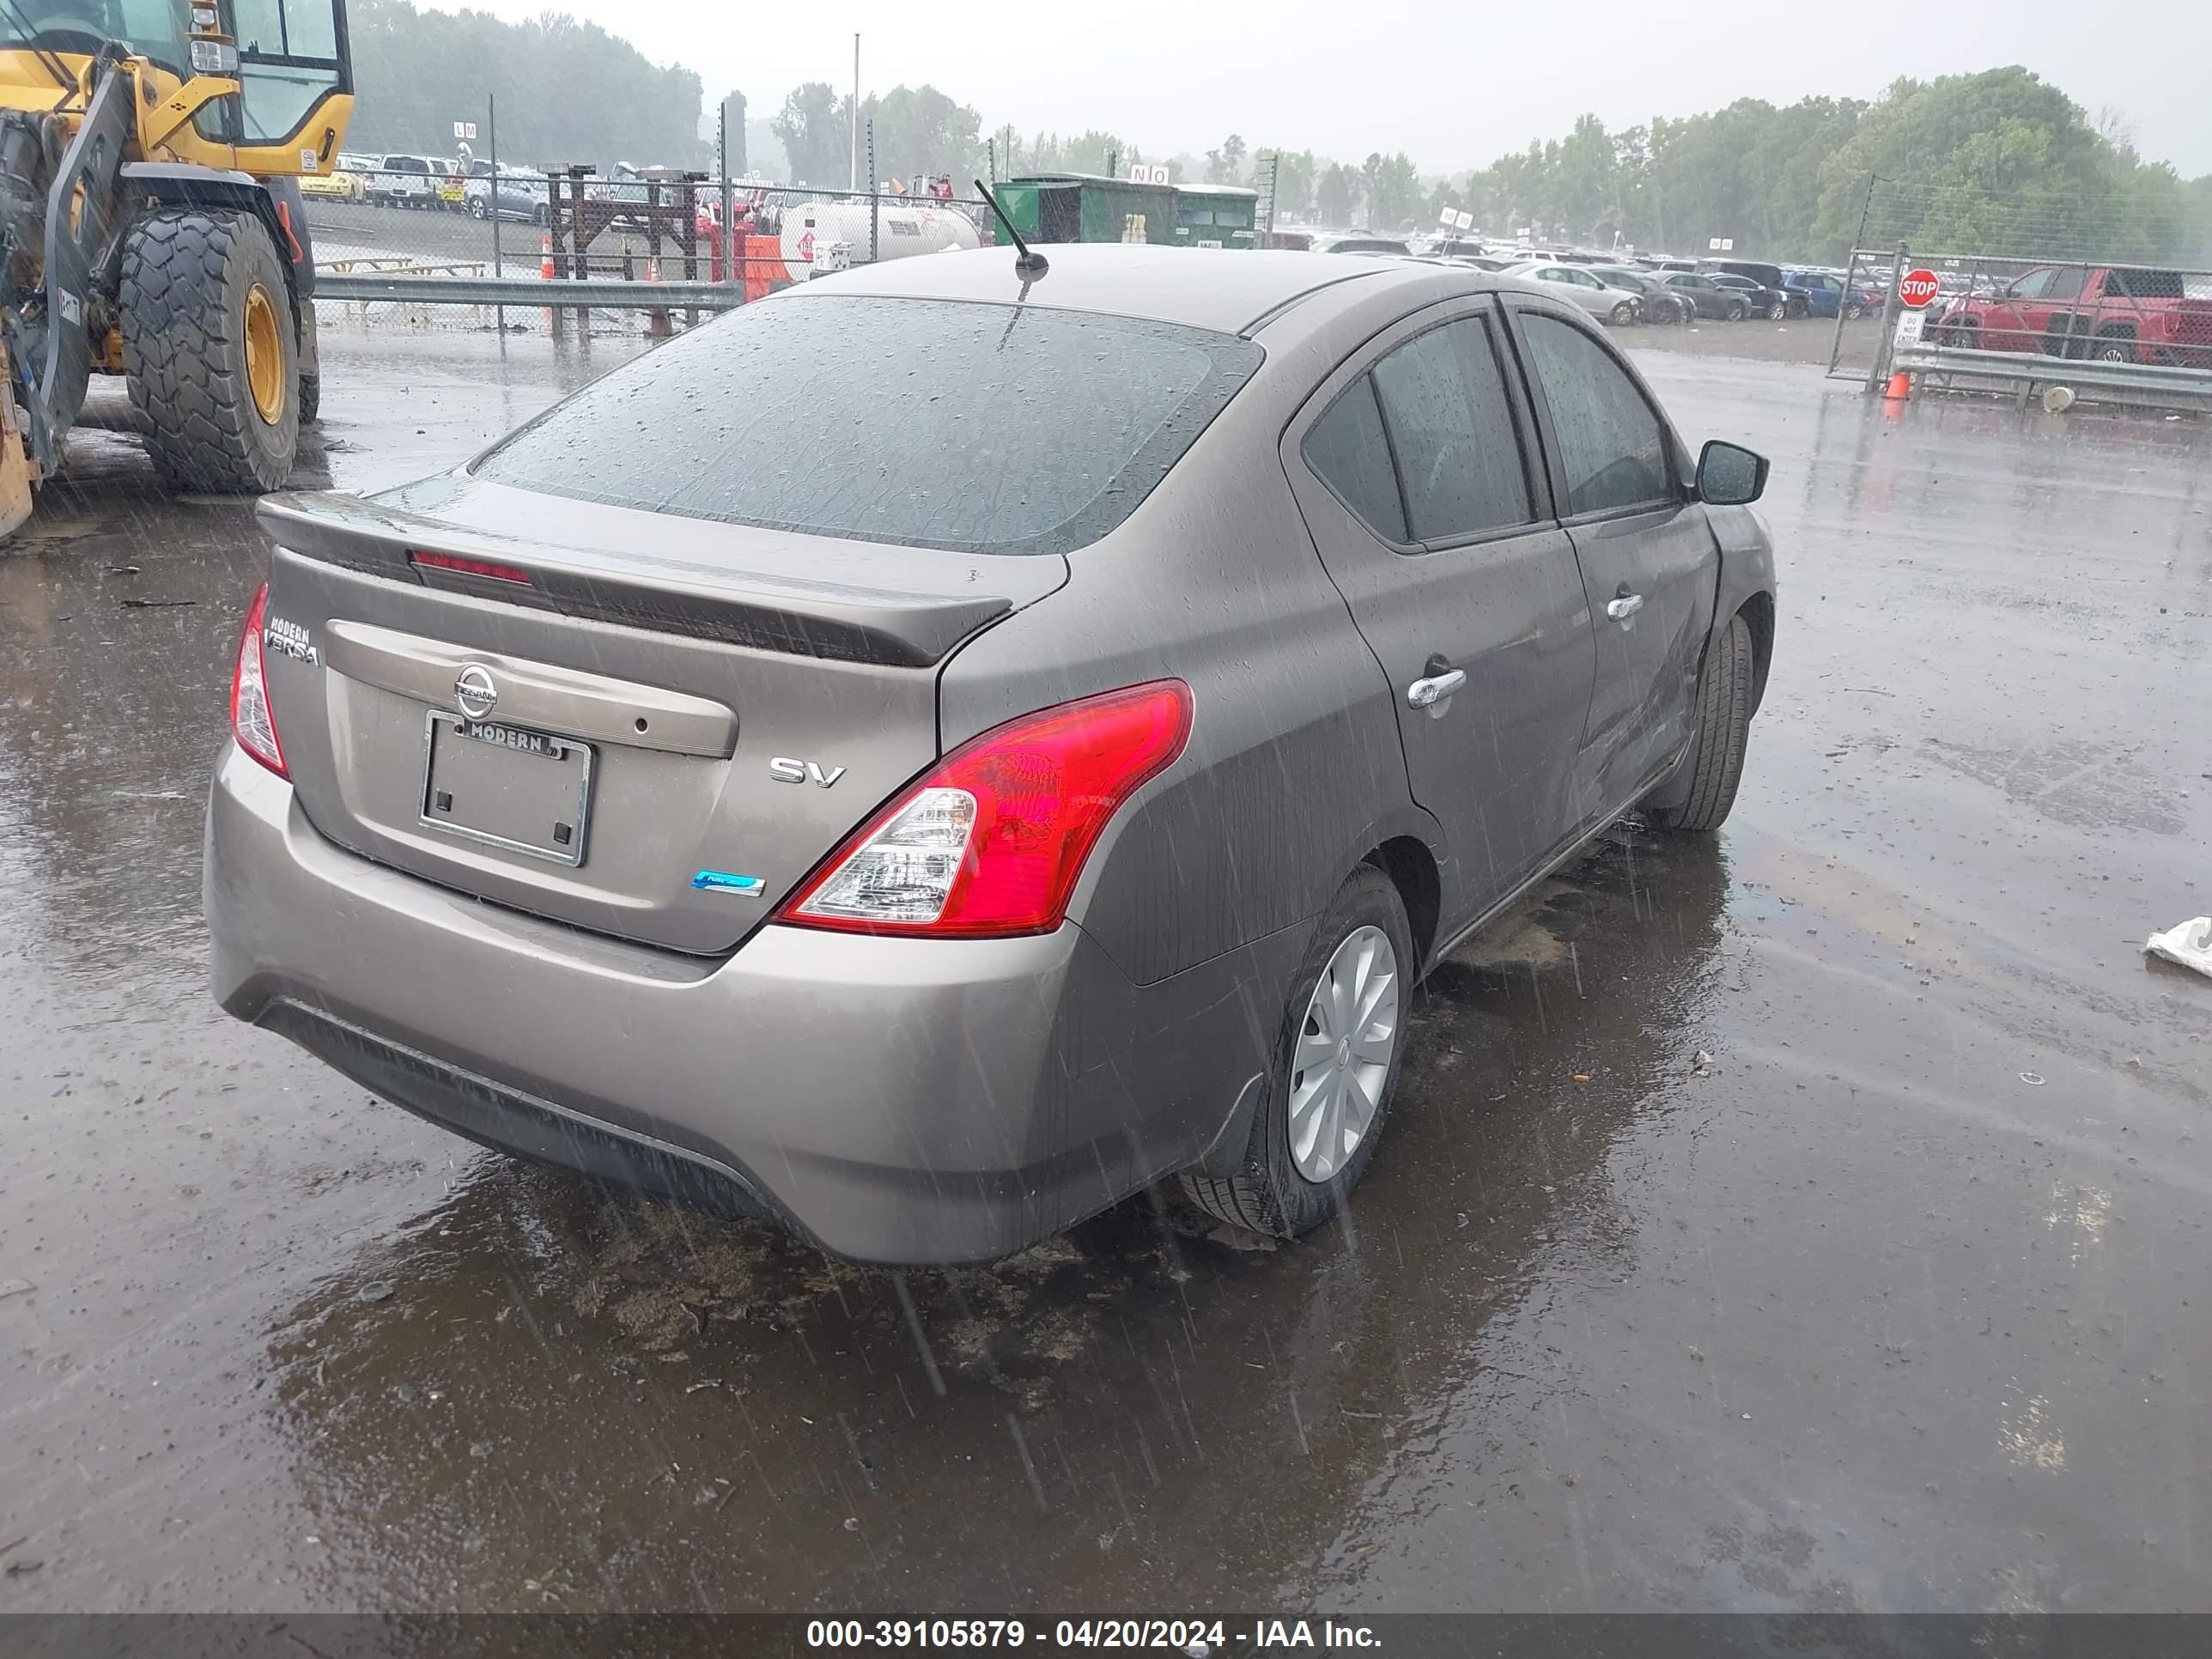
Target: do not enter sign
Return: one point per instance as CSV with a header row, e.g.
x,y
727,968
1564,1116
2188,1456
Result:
x,y
1918,287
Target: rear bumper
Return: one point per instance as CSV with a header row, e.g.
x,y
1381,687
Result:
x,y
896,1101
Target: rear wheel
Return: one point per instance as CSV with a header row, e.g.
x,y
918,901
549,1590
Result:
x,y
211,351
1716,762
1737,311
1336,1064
1777,310
1623,314
2115,349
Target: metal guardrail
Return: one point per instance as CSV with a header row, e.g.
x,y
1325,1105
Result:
x,y
611,295
2153,384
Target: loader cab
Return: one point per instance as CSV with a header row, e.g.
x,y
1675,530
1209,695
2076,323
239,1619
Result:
x,y
292,60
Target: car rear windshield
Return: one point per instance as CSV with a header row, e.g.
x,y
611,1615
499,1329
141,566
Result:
x,y
980,428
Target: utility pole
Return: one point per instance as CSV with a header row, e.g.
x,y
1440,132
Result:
x,y
729,242
855,181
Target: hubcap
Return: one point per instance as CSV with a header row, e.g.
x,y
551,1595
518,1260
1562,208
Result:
x,y
264,355
1342,1055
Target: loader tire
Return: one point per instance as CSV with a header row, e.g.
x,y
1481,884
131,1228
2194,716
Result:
x,y
311,399
210,349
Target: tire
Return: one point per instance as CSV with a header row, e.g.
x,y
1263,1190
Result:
x,y
476,209
2114,349
1270,1193
1778,310
1737,311
1716,762
190,283
311,399
1623,314
1853,310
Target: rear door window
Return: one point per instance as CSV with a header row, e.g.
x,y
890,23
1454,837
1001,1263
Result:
x,y
1611,444
927,422
1451,429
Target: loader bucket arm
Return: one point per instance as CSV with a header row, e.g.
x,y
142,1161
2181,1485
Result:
x,y
82,208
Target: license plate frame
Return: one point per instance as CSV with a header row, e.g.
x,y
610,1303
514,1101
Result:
x,y
557,750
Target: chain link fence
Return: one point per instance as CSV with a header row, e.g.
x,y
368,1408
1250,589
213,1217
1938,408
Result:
x,y
396,240
2078,277
2151,316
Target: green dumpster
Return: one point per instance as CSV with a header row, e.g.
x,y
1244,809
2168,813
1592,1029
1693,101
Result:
x,y
1216,216
1089,207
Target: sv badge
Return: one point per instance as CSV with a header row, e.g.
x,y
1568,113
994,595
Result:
x,y
784,770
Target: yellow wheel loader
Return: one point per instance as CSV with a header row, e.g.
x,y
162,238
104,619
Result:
x,y
151,226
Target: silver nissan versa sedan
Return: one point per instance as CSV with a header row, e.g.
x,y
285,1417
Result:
x,y
937,751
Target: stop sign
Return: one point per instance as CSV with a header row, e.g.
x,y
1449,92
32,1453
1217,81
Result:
x,y
1917,288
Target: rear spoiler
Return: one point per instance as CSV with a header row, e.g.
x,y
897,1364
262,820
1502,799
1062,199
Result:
x,y
769,612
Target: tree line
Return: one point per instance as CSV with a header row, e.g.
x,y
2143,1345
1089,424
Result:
x,y
1995,162
567,91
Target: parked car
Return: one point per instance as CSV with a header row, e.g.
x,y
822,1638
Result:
x,y
930,865
1580,286
402,181
1707,298
2121,314
518,194
1771,278
1361,242
1764,302
340,183
1826,293
1657,302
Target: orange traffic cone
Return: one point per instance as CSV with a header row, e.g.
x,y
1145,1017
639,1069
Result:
x,y
545,255
1901,387
657,323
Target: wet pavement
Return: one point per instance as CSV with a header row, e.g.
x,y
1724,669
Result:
x,y
1892,1303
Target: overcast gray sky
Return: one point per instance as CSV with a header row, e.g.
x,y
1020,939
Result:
x,y
1453,85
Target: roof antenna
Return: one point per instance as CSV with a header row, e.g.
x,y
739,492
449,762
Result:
x,y
1028,264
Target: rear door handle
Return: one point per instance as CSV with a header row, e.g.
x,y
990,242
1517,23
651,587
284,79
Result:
x,y
1625,606
1422,693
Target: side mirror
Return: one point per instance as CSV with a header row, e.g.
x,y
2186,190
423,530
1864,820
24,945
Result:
x,y
1728,475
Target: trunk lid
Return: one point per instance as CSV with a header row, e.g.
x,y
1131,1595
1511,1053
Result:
x,y
631,676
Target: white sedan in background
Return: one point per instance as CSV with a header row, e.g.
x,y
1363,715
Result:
x,y
1565,282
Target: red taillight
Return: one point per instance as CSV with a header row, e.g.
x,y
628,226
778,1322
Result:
x,y
252,722
461,566
990,841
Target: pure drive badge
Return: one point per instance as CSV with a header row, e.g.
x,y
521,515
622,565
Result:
x,y
287,639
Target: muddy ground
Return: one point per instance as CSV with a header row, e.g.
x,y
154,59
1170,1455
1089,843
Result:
x,y
1890,1303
